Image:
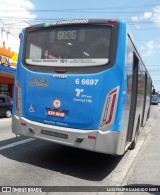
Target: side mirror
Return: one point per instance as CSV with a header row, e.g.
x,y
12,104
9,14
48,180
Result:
x,y
20,36
154,91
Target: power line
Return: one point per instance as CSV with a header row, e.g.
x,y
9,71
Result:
x,y
130,22
146,29
85,9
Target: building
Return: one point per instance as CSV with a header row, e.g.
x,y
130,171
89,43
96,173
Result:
x,y
9,47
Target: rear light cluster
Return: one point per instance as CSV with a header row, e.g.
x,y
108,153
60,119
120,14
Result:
x,y
112,21
18,99
110,108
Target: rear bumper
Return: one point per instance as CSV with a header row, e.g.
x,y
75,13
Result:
x,y
94,140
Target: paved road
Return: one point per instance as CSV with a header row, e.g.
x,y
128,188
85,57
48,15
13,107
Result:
x,y
28,162
5,129
145,169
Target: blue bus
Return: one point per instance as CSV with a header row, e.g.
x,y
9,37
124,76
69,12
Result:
x,y
81,83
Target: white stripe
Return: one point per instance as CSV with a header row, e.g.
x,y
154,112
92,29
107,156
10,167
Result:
x,y
15,144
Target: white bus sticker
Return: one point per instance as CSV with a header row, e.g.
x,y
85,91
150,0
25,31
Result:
x,y
67,62
86,81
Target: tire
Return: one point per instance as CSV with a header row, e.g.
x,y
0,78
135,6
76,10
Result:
x,y
8,113
133,144
148,114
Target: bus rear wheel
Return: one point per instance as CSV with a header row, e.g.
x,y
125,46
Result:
x,y
148,113
133,144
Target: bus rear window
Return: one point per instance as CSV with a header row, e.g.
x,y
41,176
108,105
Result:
x,y
69,47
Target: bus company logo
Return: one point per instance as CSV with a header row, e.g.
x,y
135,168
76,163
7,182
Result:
x,y
39,82
57,103
78,91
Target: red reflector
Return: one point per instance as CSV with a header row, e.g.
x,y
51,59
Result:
x,y
61,71
91,137
112,20
23,124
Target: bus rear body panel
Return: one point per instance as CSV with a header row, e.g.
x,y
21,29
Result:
x,y
65,101
71,108
69,103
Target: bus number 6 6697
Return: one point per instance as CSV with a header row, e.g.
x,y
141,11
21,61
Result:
x,y
86,81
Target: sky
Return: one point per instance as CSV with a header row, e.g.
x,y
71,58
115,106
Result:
x,y
142,17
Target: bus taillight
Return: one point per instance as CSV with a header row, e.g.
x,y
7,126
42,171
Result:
x,y
110,108
18,98
112,20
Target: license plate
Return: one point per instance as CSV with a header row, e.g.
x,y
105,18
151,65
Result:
x,y
54,134
57,113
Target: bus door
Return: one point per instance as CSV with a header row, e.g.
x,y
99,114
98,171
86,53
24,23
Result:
x,y
133,105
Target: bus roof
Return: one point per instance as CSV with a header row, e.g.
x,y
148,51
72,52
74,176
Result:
x,y
75,21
